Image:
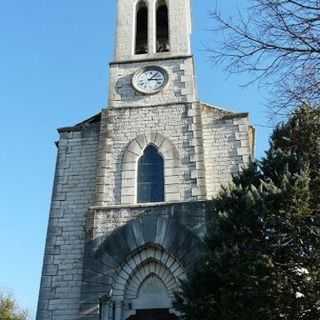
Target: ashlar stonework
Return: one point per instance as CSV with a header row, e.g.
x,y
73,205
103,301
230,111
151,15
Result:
x,y
108,256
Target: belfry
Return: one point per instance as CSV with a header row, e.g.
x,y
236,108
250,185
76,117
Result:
x,y
128,211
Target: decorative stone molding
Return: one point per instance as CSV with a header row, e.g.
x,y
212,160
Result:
x,y
161,243
151,264
131,155
151,260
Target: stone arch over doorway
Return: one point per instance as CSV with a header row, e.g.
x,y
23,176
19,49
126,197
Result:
x,y
134,150
157,247
147,281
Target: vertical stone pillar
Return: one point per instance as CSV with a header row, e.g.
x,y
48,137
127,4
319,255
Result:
x,y
118,310
105,311
152,27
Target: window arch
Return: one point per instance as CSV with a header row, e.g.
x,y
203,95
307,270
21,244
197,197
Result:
x,y
162,27
141,41
150,176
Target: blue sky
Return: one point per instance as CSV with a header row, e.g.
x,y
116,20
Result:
x,y
54,73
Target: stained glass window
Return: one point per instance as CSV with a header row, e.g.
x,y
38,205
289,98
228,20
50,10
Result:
x,y
151,176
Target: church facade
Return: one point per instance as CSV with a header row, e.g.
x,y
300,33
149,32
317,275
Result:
x,y
128,211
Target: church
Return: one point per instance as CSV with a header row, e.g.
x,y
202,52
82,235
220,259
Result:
x,y
128,212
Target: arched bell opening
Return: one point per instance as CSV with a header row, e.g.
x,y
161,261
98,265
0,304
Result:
x,y
162,15
141,41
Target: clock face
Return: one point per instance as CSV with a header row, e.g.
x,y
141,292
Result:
x,y
150,80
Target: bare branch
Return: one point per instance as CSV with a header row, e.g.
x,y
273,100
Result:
x,y
277,42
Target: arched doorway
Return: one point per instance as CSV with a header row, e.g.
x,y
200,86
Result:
x,y
152,294
145,286
153,301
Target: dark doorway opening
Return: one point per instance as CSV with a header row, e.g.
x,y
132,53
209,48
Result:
x,y
154,314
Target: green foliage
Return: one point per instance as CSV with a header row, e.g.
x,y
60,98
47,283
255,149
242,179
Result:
x,y
9,309
263,244
294,146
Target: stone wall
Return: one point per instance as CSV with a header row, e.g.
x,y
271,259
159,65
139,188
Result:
x,y
94,193
180,87
210,146
227,146
119,239
102,221
179,29
73,194
121,126
97,232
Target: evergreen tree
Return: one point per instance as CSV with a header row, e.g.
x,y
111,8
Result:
x,y
295,145
263,243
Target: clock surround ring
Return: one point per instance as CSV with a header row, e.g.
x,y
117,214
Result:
x,y
141,71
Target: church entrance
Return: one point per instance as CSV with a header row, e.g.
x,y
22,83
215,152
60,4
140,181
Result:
x,y
145,286
153,314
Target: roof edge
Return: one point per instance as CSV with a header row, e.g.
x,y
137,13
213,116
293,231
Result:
x,y
228,113
81,125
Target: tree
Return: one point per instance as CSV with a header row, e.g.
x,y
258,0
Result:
x,y
263,245
9,309
278,43
299,137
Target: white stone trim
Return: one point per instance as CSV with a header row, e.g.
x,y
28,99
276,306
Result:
x,y
134,29
150,261
131,155
156,6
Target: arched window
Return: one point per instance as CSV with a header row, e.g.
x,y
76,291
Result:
x,y
151,176
141,46
162,27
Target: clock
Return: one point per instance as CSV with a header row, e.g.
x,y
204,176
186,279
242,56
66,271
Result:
x,y
150,80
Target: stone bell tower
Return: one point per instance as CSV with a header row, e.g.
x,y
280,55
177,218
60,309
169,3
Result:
x,y
128,211
152,33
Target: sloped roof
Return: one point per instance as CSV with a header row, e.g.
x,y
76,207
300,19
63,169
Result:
x,y
226,114
84,124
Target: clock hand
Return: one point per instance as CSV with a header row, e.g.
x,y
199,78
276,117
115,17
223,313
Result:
x,y
153,77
